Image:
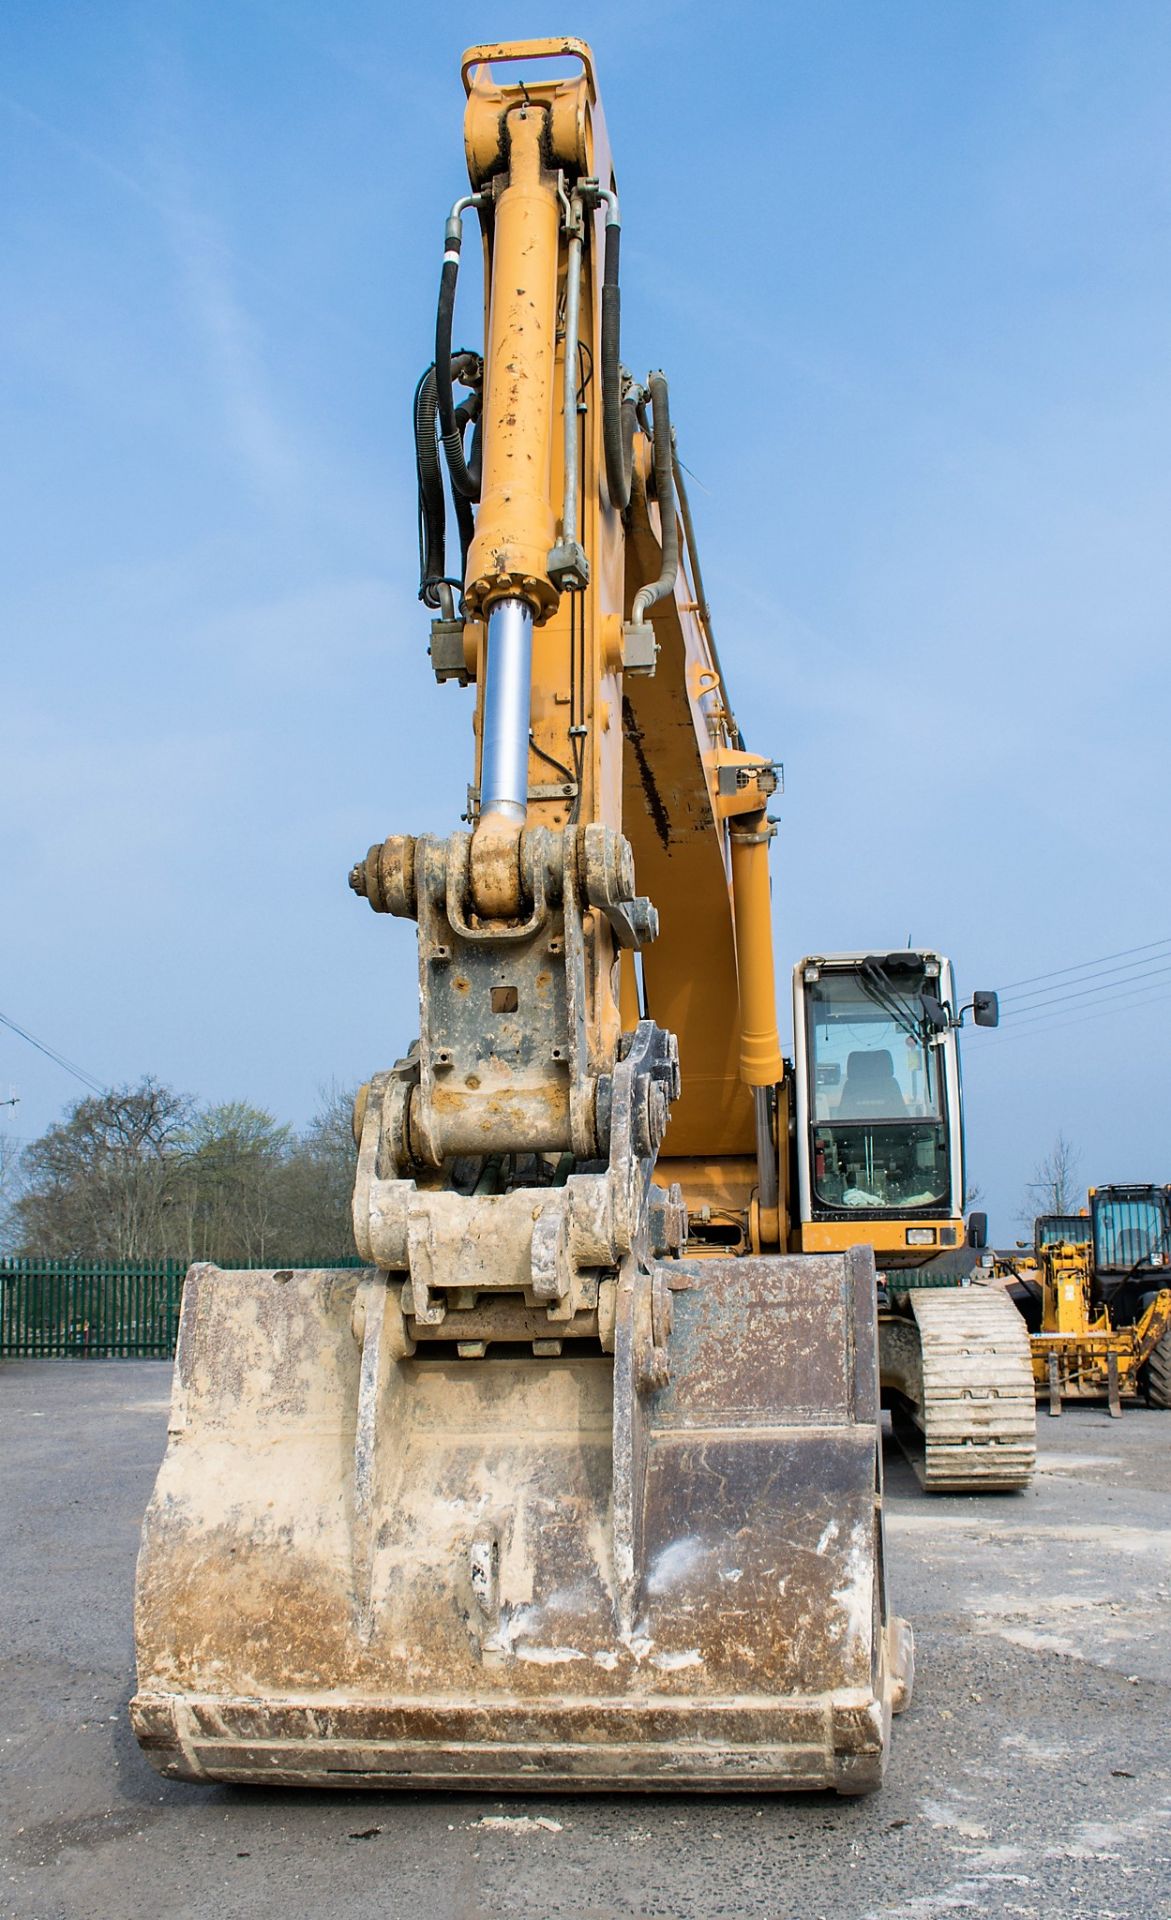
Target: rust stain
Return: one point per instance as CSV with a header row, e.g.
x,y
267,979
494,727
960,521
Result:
x,y
654,800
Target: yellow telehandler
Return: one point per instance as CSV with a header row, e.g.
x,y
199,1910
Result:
x,y
1096,1299
578,1482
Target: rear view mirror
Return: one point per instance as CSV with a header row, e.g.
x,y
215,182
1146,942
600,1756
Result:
x,y
978,1230
986,1009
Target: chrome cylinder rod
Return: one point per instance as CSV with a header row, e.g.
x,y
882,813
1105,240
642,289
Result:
x,y
766,1153
504,762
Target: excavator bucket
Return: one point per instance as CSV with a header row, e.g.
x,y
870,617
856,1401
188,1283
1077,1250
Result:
x,y
363,1567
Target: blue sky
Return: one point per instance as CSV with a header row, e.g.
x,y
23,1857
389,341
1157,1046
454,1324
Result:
x,y
908,268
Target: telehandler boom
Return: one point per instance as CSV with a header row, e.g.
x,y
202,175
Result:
x,y
578,1483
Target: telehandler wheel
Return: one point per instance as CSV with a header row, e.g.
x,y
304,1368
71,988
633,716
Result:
x,y
1158,1374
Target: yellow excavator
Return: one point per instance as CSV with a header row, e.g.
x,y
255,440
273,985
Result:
x,y
578,1482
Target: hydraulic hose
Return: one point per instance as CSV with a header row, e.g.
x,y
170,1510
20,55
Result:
x,y
463,482
617,419
432,511
465,519
433,574
469,368
664,471
435,402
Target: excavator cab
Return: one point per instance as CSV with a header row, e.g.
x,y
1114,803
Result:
x,y
879,1162
880,1150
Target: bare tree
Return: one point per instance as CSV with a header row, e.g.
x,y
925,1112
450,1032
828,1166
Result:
x,y
319,1179
233,1157
99,1184
143,1174
1056,1185
9,1185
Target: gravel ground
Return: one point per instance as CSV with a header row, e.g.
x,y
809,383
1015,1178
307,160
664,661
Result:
x,y
1032,1776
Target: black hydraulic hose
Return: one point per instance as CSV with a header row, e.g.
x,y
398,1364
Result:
x,y
466,367
664,472
432,512
461,480
468,410
464,518
465,522
617,419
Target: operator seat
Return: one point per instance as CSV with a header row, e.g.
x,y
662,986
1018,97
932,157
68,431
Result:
x,y
871,1091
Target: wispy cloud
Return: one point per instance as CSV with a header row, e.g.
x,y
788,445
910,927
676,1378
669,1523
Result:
x,y
230,337
81,150
212,277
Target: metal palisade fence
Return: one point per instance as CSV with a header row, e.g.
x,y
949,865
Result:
x,y
93,1309
89,1308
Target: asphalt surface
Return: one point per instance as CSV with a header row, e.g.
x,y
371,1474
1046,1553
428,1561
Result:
x,y
1032,1776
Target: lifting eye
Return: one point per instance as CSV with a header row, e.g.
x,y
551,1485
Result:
x,y
505,999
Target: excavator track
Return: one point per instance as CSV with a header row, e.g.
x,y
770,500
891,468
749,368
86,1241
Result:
x,y
974,1427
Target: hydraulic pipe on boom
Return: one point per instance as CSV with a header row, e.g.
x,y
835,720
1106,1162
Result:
x,y
761,1065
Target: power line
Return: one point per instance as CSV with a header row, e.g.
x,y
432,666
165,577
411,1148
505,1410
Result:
x,y
1042,1004
51,1053
1040,1029
1081,965
1127,970
1063,1016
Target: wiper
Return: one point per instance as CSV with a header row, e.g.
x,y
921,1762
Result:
x,y
876,985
